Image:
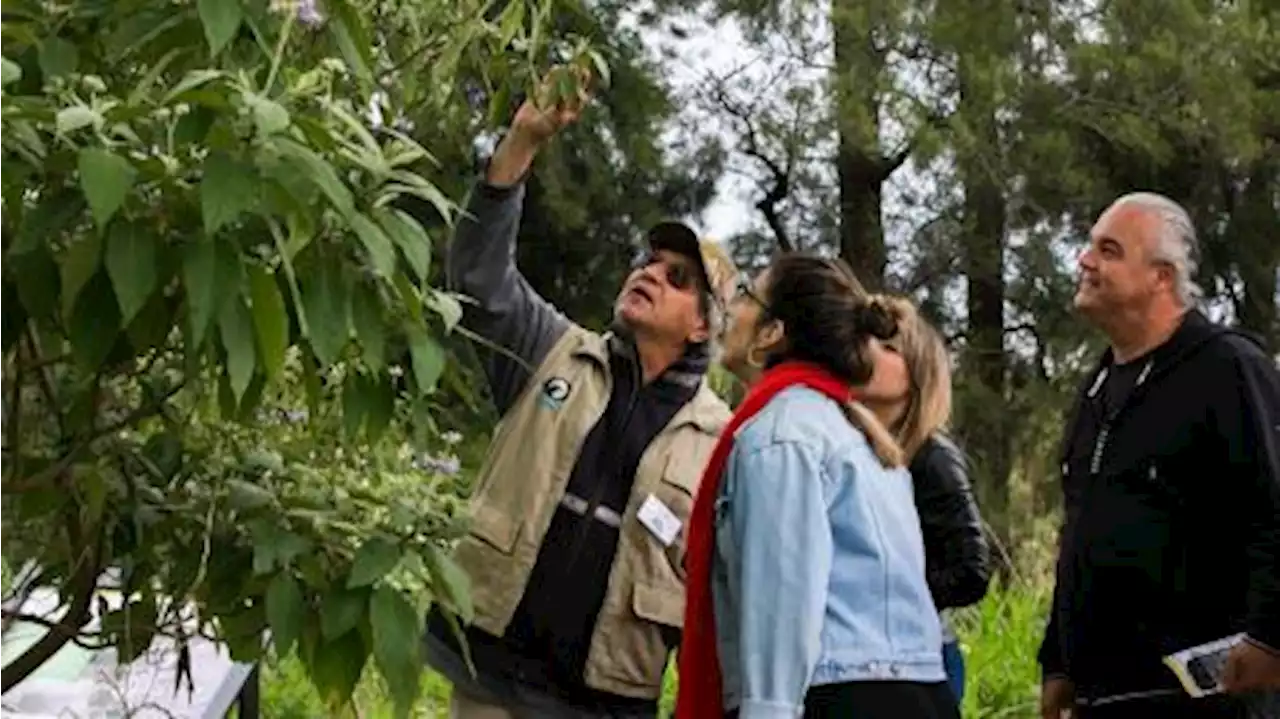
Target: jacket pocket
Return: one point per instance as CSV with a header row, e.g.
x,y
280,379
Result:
x,y
676,490
488,555
637,649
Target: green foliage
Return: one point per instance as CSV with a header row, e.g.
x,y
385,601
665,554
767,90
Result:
x,y
204,233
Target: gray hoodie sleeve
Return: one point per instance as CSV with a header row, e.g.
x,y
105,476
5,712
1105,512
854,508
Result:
x,y
481,264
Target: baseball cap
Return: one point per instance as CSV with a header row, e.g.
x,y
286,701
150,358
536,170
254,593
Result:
x,y
718,269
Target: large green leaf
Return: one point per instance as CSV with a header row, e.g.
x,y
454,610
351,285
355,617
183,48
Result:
x,y
211,275
373,560
409,236
381,254
131,263
396,635
366,314
454,581
81,262
316,169
221,20
447,306
106,179
286,609
57,58
94,323
36,276
270,320
269,115
352,38
427,356
227,188
327,303
379,405
236,328
336,667
342,610
354,404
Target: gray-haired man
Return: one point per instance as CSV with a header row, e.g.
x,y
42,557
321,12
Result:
x,y
1171,472
576,546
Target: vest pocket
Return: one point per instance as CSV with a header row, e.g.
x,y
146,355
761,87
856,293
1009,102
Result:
x,y
487,555
676,491
661,606
635,650
494,528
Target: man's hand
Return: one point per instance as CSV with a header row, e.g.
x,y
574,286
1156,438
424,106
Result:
x,y
1251,667
1057,698
561,96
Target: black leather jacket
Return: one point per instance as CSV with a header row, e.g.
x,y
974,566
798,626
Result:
x,y
957,557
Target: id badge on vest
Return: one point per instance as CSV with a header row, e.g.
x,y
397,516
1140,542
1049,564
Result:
x,y
658,518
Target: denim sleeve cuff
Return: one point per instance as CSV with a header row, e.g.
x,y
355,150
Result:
x,y
768,710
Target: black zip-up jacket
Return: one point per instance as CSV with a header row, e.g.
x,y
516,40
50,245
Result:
x,y
957,558
1172,531
546,643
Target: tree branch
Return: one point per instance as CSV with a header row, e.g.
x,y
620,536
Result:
x,y
779,180
53,470
81,586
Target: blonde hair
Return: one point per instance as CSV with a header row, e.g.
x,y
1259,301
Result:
x,y
883,443
928,372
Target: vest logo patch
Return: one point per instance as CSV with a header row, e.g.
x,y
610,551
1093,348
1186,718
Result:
x,y
554,392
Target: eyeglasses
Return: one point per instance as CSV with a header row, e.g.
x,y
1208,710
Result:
x,y
681,275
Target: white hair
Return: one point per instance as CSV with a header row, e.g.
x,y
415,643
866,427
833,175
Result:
x,y
1176,242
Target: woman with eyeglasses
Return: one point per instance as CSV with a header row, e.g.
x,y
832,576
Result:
x,y
806,581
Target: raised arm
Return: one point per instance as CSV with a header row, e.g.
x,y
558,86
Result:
x,y
781,529
481,261
481,264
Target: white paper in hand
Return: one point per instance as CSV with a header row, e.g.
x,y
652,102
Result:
x,y
659,519
1200,668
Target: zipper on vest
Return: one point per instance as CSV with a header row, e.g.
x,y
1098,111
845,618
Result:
x,y
593,502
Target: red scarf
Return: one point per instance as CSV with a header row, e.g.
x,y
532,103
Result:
x,y
699,695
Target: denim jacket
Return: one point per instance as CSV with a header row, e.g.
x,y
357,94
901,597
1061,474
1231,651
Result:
x,y
819,569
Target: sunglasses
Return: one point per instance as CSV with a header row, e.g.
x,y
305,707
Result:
x,y
683,276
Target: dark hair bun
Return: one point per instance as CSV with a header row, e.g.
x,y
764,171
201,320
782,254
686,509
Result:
x,y
874,318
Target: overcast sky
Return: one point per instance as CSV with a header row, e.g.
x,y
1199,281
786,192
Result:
x,y
708,48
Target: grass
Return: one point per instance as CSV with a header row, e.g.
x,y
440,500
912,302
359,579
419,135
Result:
x,y
999,638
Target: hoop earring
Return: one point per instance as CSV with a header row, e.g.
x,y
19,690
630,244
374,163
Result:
x,y
751,359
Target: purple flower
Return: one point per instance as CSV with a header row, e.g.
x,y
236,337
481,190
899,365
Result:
x,y
447,466
308,13
304,10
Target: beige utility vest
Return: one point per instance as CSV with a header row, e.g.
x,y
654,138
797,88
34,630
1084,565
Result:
x,y
523,480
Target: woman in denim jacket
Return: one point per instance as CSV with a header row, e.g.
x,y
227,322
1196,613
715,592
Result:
x,y
806,588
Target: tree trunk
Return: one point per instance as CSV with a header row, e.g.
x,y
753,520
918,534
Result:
x,y
985,422
1259,250
859,162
